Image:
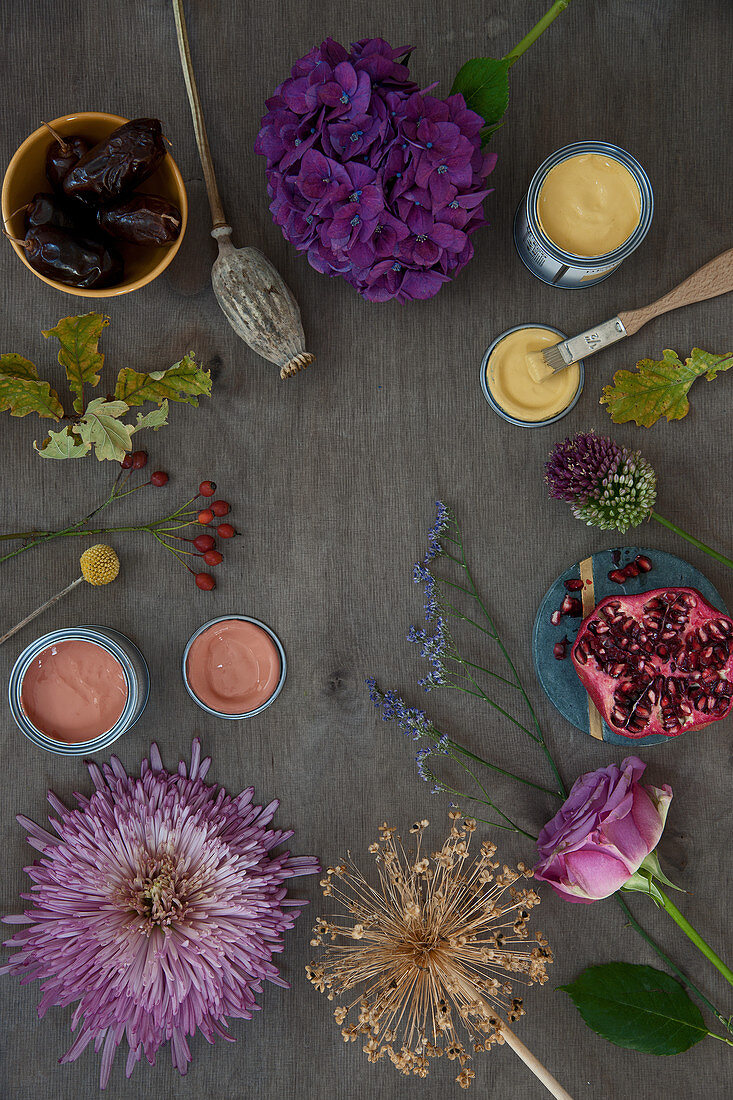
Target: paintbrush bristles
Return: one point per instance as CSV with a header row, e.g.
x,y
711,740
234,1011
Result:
x,y
427,950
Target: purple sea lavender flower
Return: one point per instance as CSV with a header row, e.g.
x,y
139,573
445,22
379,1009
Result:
x,y
442,522
157,907
358,110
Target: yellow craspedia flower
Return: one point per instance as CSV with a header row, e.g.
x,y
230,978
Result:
x,y
99,564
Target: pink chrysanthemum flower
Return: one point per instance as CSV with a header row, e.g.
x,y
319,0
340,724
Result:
x,y
157,907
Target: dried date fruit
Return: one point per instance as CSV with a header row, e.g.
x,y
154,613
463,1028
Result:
x,y
141,219
71,259
63,154
47,209
119,162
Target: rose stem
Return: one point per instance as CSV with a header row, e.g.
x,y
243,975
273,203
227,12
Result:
x,y
666,959
691,538
695,936
548,18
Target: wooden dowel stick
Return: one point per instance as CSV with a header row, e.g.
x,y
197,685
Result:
x,y
48,603
542,1074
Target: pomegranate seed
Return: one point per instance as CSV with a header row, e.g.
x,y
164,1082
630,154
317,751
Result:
x,y
574,584
556,618
226,531
213,557
617,576
159,478
205,516
571,606
139,459
207,488
220,508
205,581
632,569
204,543
643,563
558,651
126,463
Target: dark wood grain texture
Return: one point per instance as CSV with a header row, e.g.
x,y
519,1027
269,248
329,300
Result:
x,y
333,475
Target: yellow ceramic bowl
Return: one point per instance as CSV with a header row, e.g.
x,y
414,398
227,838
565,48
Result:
x,y
26,175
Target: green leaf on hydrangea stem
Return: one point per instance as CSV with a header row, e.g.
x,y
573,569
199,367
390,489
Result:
x,y
637,1007
484,85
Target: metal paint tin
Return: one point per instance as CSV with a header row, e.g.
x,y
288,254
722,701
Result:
x,y
280,683
551,264
492,400
137,679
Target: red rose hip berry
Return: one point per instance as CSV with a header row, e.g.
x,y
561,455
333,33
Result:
x,y
220,508
159,478
205,516
204,543
226,531
126,463
207,488
139,459
205,581
213,557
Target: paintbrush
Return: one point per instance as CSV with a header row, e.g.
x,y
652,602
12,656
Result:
x,y
714,278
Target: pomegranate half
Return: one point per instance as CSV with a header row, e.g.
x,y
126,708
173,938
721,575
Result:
x,y
657,663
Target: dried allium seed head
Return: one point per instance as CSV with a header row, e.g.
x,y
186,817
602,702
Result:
x,y
426,951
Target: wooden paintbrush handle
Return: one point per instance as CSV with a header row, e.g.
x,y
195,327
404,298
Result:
x,y
709,281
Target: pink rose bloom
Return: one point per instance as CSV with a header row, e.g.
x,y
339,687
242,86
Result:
x,y
603,832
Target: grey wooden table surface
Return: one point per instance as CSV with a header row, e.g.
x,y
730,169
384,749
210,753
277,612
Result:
x,y
333,477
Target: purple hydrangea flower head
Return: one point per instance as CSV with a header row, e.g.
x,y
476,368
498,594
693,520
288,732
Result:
x,y
157,905
372,178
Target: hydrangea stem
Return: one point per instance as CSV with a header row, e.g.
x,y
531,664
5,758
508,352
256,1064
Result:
x,y
691,538
538,29
692,934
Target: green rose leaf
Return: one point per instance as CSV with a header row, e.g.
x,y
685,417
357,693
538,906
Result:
x,y
637,1007
155,419
63,444
184,381
484,84
102,427
659,388
78,353
22,391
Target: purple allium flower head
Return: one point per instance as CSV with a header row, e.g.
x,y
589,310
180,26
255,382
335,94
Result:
x,y
606,485
370,177
578,468
157,907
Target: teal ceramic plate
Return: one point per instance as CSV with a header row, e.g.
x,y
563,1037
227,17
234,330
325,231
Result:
x,y
558,678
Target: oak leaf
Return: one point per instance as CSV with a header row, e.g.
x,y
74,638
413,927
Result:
x,y
79,353
22,391
659,387
184,381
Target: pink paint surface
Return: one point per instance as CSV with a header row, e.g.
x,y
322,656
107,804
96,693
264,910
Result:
x,y
74,691
233,667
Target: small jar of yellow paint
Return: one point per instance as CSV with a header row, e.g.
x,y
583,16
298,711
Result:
x,y
510,389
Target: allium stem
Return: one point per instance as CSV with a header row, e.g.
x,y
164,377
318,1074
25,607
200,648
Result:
x,y
691,538
692,934
726,1021
548,18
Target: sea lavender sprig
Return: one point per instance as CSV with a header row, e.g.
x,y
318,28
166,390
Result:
x,y
610,487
